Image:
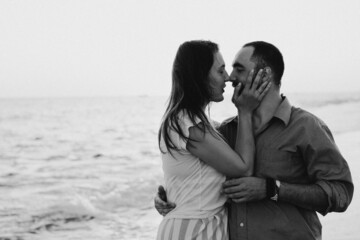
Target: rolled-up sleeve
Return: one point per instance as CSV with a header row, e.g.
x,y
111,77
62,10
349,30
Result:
x,y
328,168
339,195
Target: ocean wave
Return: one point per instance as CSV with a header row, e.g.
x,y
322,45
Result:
x,y
56,220
323,99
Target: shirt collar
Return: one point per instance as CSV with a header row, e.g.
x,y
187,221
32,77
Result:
x,y
283,112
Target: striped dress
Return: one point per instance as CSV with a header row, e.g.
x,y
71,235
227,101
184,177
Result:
x,y
195,187
214,227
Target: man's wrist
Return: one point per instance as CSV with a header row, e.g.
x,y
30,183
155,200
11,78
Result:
x,y
272,189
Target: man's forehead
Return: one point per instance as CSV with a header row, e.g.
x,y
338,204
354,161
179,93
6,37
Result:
x,y
244,55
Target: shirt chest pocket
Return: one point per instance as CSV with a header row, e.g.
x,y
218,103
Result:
x,y
284,163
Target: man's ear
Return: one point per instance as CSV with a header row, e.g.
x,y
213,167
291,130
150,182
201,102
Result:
x,y
267,71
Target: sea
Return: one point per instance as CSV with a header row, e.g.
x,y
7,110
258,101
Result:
x,y
89,167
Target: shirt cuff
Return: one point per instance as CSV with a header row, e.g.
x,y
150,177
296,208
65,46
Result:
x,y
328,191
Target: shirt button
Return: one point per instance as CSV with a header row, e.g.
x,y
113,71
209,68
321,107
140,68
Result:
x,y
241,224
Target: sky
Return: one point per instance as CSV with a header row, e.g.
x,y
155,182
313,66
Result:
x,y
63,48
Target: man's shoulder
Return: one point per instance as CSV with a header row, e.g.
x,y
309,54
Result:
x,y
228,127
307,118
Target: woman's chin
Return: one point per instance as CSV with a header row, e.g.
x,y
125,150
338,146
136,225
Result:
x,y
218,99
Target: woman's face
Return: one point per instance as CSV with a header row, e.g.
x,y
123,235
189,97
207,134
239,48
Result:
x,y
217,77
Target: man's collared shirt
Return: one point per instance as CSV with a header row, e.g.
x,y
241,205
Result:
x,y
296,147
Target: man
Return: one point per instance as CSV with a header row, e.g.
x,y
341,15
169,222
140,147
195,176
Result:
x,y
298,168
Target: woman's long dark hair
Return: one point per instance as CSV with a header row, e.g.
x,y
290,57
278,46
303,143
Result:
x,y
190,90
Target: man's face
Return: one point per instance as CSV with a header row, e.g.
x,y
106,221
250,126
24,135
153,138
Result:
x,y
242,65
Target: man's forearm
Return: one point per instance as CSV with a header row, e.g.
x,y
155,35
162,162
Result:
x,y
311,196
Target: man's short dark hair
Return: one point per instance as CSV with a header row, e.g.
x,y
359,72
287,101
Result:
x,y
266,54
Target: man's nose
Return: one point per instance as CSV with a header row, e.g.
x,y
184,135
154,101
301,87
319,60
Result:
x,y
232,75
232,79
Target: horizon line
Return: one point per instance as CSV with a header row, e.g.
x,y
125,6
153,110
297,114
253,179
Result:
x,y
161,95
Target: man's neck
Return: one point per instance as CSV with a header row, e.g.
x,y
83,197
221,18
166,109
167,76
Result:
x,y
266,110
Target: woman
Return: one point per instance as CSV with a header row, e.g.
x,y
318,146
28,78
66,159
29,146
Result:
x,y
195,157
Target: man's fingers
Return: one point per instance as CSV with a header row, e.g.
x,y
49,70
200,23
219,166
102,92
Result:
x,y
235,195
161,188
163,211
171,205
232,182
231,190
162,193
159,202
238,200
166,211
162,207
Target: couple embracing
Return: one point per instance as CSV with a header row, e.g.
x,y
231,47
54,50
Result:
x,y
262,174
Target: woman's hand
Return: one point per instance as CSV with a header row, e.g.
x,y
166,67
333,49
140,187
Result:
x,y
248,97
